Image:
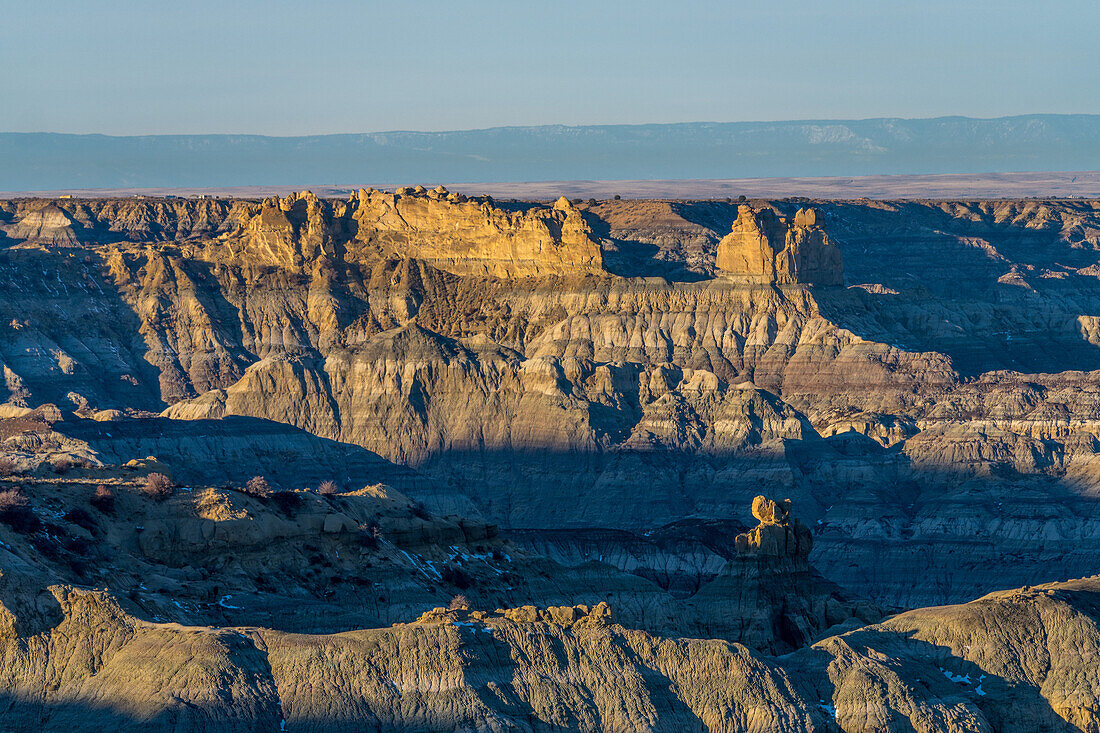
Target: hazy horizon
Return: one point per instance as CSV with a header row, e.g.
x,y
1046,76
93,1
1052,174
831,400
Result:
x,y
882,146
552,125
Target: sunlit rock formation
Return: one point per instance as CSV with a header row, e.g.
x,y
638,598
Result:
x,y
452,232
778,534
764,247
474,236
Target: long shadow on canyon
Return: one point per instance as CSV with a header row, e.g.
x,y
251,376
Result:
x,y
943,675
41,289
1000,328
931,673
235,448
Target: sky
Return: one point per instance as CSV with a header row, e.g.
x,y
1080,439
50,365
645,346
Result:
x,y
299,68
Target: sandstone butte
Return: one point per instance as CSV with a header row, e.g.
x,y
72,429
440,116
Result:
x,y
764,247
450,231
551,407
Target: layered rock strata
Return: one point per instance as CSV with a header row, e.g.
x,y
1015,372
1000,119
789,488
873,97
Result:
x,y
1014,662
933,418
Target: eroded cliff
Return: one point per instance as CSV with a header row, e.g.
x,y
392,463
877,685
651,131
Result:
x,y
931,418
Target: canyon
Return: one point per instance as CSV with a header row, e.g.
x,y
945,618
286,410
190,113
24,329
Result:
x,y
561,411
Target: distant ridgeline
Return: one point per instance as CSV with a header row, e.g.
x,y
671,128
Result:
x,y
47,161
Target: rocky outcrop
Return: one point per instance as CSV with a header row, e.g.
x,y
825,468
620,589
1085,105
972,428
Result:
x,y
471,236
294,232
579,615
764,247
45,225
452,232
778,535
100,221
1016,662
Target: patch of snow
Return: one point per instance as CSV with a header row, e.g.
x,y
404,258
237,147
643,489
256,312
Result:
x,y
961,679
223,603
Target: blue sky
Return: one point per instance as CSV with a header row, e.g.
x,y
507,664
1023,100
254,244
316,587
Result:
x,y
291,68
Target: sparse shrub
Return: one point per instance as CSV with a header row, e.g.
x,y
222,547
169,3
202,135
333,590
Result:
x,y
287,501
741,199
103,499
61,465
157,486
459,603
370,535
7,468
497,554
618,197
591,202
328,488
456,576
258,487
420,511
12,499
15,511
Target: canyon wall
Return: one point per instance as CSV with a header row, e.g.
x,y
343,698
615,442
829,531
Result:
x,y
598,365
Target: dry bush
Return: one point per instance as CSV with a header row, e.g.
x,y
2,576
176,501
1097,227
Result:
x,y
328,488
370,535
103,499
257,486
61,465
15,511
157,486
11,499
459,603
7,468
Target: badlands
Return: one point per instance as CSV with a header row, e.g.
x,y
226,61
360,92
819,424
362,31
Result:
x,y
421,461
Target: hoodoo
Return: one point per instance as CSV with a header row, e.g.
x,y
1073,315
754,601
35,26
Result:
x,y
778,534
766,248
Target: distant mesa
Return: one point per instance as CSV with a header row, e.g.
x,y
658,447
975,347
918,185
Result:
x,y
764,247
